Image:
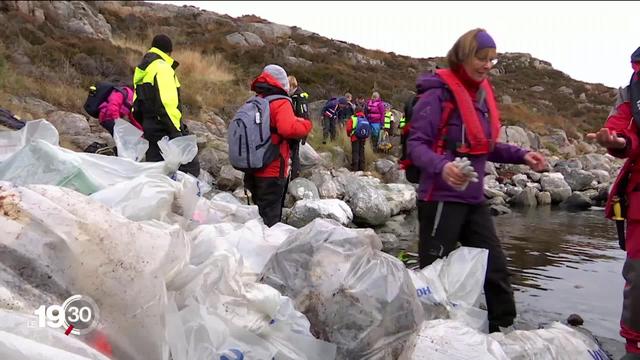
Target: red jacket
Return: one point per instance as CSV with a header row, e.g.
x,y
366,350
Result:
x,y
287,124
622,123
349,126
116,108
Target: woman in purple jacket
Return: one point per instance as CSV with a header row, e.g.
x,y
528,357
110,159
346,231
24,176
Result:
x,y
456,116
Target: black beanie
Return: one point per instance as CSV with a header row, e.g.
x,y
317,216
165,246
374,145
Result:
x,y
162,43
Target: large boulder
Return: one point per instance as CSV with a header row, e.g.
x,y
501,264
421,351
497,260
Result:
x,y
401,197
301,188
514,135
388,169
577,201
244,39
595,162
69,124
579,179
404,227
526,198
212,159
269,31
80,19
554,184
305,211
543,198
229,178
327,187
601,176
369,204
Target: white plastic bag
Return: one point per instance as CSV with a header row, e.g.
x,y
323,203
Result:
x,y
221,313
146,197
558,342
12,141
354,295
308,156
453,340
71,243
180,150
452,287
129,140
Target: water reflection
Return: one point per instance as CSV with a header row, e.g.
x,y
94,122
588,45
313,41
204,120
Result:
x,y
564,263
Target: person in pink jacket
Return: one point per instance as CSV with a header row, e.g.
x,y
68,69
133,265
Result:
x,y
117,107
375,114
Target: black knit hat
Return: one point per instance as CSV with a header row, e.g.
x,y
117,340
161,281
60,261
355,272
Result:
x,y
162,43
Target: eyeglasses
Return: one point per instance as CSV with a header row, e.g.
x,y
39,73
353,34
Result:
x,y
493,61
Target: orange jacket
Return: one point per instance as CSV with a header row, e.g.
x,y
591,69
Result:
x,y
288,126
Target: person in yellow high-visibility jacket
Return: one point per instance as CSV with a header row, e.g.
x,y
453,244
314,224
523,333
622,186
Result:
x,y
156,101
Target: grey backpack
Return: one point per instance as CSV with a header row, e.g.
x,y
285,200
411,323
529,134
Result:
x,y
249,135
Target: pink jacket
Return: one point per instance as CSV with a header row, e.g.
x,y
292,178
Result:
x,y
116,108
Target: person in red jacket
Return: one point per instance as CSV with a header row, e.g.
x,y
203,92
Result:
x,y
357,145
117,107
620,135
267,185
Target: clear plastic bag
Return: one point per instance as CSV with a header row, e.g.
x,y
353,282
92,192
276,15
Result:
x,y
129,140
452,287
62,243
12,141
180,150
354,295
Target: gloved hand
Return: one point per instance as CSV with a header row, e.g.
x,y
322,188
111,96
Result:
x,y
464,165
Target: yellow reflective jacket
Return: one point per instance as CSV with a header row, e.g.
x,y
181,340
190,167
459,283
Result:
x,y
156,100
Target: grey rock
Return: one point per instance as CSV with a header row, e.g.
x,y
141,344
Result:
x,y
305,211
536,88
595,162
506,100
514,135
576,201
535,176
490,168
369,204
389,242
543,198
579,179
69,124
601,176
526,198
520,180
301,188
269,31
229,178
554,184
327,187
565,90
497,210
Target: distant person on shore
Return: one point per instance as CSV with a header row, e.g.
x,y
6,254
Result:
x,y
157,100
375,114
348,111
300,99
621,136
358,129
451,206
330,113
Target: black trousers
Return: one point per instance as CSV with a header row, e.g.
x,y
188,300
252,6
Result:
x,y
471,225
357,155
328,128
153,155
294,150
268,194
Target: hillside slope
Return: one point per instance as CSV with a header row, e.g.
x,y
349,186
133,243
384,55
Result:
x,y
54,50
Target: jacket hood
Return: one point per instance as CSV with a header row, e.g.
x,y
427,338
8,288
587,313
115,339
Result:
x,y
267,79
428,81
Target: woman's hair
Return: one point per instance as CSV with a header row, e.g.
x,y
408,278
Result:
x,y
348,96
293,82
375,95
464,48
